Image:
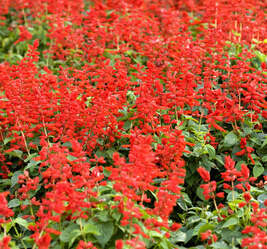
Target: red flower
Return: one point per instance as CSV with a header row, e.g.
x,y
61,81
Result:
x,y
204,174
24,34
206,235
119,244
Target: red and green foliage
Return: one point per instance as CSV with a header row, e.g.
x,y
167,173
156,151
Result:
x,y
133,124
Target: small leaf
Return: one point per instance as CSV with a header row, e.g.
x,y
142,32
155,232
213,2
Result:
x,y
14,203
64,236
15,178
261,199
211,151
264,159
230,139
258,170
21,222
31,164
205,228
73,235
7,140
15,153
230,222
71,158
90,228
200,193
219,245
155,234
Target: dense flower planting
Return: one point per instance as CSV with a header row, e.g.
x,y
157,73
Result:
x,y
133,124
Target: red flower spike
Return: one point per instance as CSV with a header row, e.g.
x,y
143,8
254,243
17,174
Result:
x,y
204,174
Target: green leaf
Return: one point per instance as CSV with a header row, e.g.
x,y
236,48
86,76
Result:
x,y
21,222
218,158
205,228
196,229
261,199
64,236
200,193
258,170
90,228
104,216
189,235
71,158
7,140
127,125
15,178
264,143
31,164
8,226
73,235
211,151
182,204
260,55
14,203
106,229
230,139
264,159
219,245
15,153
230,222
230,196
155,234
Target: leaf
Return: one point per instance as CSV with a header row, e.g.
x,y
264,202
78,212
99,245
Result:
x,y
205,228
230,139
90,228
64,236
21,222
31,164
73,235
261,199
71,158
186,198
196,229
14,203
106,230
218,158
230,222
189,235
8,226
264,159
258,170
15,153
15,178
200,193
219,245
127,125
104,216
182,204
230,196
211,151
260,55
155,234
264,143
7,140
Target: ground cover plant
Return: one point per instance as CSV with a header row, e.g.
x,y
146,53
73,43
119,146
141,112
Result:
x,y
133,124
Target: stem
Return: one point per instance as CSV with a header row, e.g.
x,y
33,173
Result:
x,y
24,138
215,204
233,194
14,225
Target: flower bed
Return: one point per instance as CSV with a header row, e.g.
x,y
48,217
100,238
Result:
x,y
133,124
